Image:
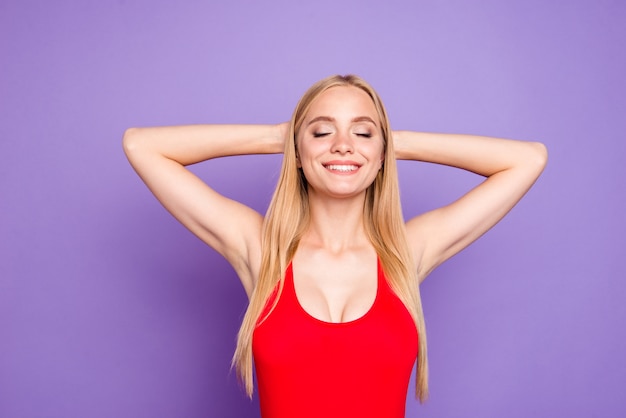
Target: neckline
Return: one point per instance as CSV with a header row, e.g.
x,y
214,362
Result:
x,y
379,281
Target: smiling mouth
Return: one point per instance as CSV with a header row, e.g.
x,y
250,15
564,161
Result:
x,y
343,168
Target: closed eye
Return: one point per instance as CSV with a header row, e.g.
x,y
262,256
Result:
x,y
320,134
365,135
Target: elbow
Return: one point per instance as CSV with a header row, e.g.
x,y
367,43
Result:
x,y
538,155
131,141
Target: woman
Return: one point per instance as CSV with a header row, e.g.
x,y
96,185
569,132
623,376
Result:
x,y
335,321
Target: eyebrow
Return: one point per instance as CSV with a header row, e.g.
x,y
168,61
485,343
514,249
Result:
x,y
329,119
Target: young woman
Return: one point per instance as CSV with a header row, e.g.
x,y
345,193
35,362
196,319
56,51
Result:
x,y
332,271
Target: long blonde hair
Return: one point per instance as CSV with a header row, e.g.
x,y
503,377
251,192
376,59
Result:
x,y
288,217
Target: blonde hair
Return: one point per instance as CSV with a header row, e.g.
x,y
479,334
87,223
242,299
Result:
x,y
288,217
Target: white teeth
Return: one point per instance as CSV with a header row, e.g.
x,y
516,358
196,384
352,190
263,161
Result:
x,y
344,168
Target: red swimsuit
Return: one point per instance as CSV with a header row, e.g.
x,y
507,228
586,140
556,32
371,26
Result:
x,y
310,368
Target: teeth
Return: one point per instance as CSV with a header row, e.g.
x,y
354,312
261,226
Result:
x,y
344,168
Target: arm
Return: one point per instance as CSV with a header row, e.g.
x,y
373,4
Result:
x,y
510,167
159,155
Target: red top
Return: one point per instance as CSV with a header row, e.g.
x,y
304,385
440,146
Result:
x,y
311,368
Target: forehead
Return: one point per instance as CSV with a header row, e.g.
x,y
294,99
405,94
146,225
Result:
x,y
343,102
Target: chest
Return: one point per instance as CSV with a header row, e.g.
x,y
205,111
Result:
x,y
307,367
335,289
384,332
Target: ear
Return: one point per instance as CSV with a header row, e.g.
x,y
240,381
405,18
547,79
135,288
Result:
x,y
298,163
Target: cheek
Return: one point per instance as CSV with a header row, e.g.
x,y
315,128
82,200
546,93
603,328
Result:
x,y
382,151
308,150
378,152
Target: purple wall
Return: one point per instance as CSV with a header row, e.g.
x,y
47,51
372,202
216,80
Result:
x,y
109,308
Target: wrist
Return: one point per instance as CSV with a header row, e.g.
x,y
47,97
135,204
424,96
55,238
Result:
x,y
279,136
400,145
409,145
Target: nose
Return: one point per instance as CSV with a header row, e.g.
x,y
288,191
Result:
x,y
342,143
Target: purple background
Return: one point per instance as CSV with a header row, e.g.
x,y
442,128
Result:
x,y
109,308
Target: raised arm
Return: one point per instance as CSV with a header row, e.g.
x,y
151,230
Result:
x,y
510,167
159,155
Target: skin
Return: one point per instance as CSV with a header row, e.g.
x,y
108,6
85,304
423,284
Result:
x,y
335,273
335,265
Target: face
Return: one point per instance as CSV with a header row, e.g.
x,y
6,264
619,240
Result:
x,y
340,143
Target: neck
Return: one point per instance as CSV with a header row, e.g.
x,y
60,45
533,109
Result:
x,y
336,224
